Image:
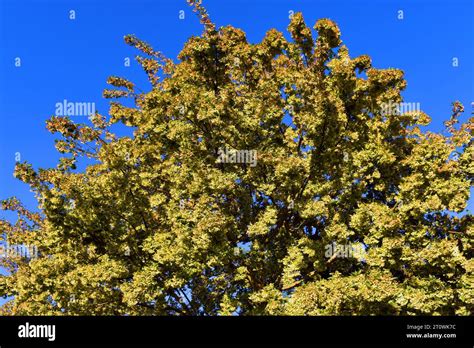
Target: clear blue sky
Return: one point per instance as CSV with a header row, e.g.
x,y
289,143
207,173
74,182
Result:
x,y
71,59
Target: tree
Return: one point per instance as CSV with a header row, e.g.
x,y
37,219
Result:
x,y
160,222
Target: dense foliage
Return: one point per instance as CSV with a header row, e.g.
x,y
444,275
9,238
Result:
x,y
156,225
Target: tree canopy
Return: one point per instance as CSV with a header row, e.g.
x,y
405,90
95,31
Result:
x,y
156,225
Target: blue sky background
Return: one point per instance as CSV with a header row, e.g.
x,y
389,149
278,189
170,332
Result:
x,y
71,59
